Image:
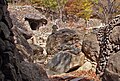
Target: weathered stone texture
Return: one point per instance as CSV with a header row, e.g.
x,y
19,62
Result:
x,y
90,46
10,63
65,45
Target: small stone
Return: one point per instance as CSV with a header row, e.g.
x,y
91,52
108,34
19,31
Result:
x,y
86,66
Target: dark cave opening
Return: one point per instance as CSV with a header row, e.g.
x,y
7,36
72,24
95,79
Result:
x,y
34,25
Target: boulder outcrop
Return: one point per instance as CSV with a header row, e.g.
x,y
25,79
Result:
x,y
115,35
112,71
62,40
66,47
65,61
33,72
90,47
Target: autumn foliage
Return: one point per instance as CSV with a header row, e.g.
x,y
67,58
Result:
x,y
103,9
80,8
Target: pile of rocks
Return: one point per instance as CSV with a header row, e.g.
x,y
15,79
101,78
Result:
x,y
23,34
70,49
102,49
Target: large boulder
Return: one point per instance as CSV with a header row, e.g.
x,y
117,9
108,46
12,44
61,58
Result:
x,y
90,46
64,61
64,39
65,44
33,72
115,35
112,71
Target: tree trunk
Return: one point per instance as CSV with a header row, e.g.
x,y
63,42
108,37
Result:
x,y
60,9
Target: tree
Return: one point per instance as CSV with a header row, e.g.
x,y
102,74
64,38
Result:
x,y
80,8
106,9
55,5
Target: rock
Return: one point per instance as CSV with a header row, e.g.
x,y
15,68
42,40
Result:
x,y
37,16
112,71
54,28
2,45
26,34
65,44
9,46
10,67
22,44
76,61
7,16
22,50
18,13
115,35
5,30
60,62
33,72
27,26
90,47
64,61
86,66
37,49
38,55
64,39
